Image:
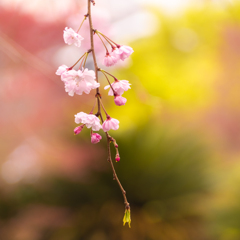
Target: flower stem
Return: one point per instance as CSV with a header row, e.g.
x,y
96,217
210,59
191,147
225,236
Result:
x,y
103,107
102,42
85,17
78,61
108,80
85,60
105,39
109,39
103,71
93,107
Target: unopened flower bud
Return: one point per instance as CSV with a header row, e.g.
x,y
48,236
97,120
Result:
x,y
127,217
95,138
119,100
117,158
78,129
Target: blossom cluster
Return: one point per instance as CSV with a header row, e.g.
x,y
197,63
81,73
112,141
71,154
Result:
x,y
77,81
83,80
118,52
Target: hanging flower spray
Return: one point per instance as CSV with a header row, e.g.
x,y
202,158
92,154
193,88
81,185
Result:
x,y
81,80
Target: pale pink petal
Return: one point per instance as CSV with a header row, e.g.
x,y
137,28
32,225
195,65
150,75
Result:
x,y
110,60
119,87
61,69
124,52
90,120
110,123
71,37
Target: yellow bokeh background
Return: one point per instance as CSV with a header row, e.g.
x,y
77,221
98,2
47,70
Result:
x,y
179,135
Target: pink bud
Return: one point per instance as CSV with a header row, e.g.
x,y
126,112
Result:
x,y
78,129
119,100
95,138
117,158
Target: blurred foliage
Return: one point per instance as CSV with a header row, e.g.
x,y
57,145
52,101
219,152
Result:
x,y
163,188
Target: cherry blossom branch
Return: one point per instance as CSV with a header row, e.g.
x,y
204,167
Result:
x,y
84,80
98,95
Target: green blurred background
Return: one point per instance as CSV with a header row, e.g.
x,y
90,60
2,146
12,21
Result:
x,y
179,136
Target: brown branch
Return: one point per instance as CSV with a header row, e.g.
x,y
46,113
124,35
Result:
x,y
94,55
109,139
98,95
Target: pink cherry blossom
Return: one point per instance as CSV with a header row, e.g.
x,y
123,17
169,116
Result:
x,y
70,87
110,123
122,52
95,138
78,129
79,81
71,37
110,60
119,100
61,69
72,75
119,86
89,75
90,120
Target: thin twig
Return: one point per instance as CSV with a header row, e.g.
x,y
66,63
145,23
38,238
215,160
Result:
x,y
109,138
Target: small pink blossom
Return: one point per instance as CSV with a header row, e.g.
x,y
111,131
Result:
x,y
90,120
72,75
110,60
119,100
79,81
110,123
122,52
61,69
95,138
119,87
89,75
78,129
71,37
